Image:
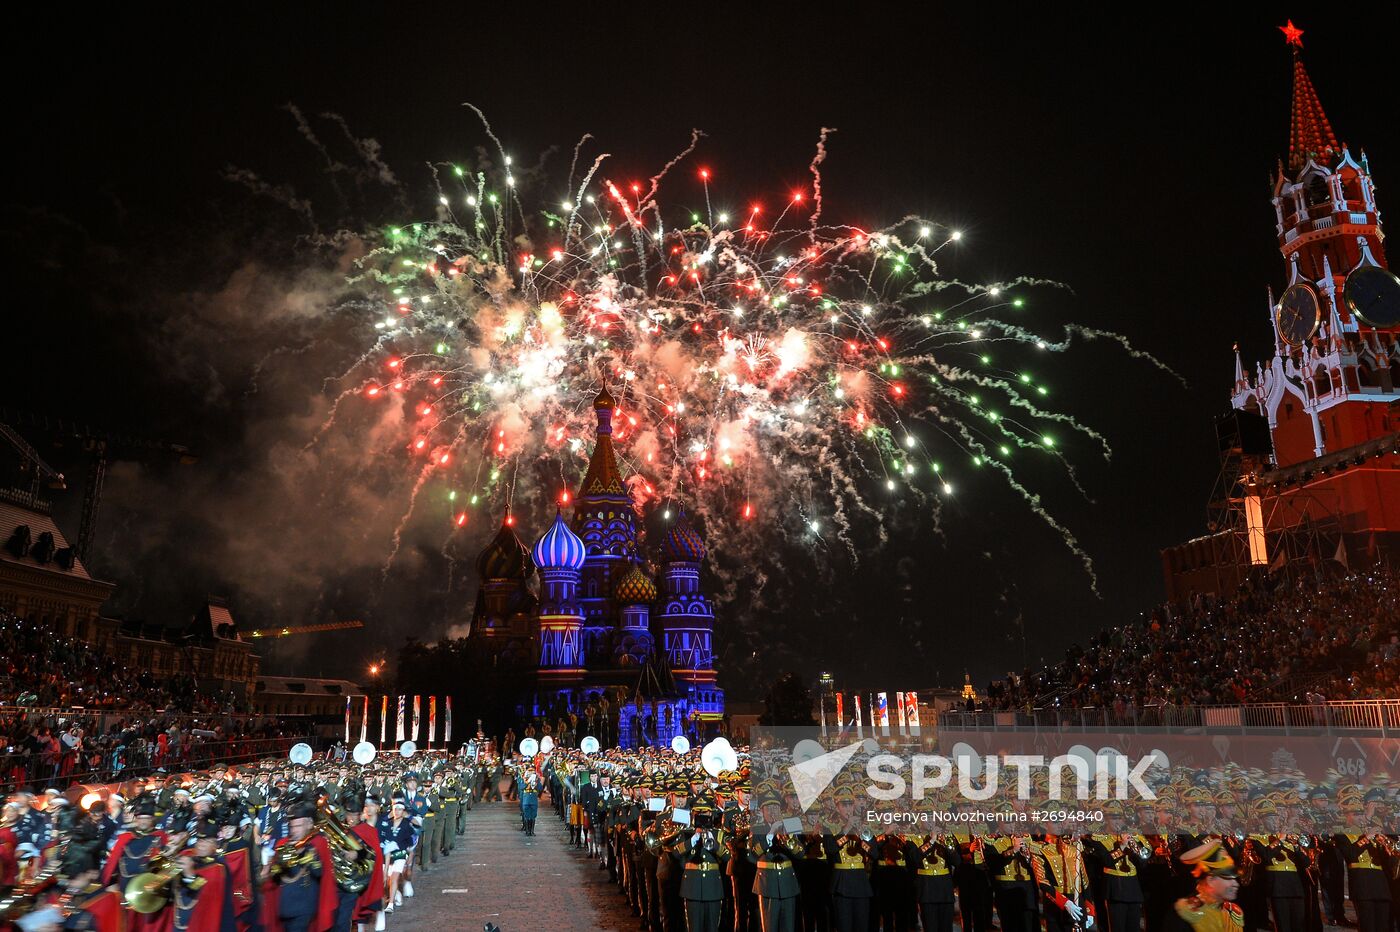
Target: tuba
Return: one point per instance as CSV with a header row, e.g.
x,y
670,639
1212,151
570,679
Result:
x,y
352,869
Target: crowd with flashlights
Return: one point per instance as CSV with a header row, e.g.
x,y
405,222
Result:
x,y
1334,637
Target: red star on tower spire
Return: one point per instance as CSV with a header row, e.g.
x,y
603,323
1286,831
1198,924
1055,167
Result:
x,y
1292,34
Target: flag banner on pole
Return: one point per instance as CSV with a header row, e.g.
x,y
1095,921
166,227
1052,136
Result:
x,y
860,725
821,704
347,719
417,718
899,710
840,713
432,719
911,703
882,707
447,720
364,722
383,720
398,731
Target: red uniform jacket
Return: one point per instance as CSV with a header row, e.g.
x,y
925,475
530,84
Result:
x,y
213,911
328,895
161,921
9,862
240,878
372,900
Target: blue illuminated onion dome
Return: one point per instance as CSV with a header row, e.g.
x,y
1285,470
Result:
x,y
559,548
635,587
682,543
505,557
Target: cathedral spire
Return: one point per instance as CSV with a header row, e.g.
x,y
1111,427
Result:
x,y
603,478
1310,134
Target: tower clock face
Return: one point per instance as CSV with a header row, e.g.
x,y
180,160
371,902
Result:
x,y
1298,314
1373,294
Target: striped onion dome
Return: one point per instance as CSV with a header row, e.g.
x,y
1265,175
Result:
x,y
559,548
682,543
635,587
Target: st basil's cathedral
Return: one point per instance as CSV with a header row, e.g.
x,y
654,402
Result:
x,y
609,616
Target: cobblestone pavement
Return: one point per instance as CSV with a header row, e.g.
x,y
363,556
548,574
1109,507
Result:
x,y
521,884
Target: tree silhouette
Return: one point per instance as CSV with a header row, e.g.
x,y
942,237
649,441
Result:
x,y
789,702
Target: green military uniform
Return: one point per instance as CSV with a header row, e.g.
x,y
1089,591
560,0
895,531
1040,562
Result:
x,y
702,880
451,811
774,882
1366,859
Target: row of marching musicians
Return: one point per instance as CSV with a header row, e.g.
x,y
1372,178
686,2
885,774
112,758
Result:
x,y
715,872
688,852
310,847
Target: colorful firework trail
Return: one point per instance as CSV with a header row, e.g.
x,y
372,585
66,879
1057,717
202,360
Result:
x,y
772,370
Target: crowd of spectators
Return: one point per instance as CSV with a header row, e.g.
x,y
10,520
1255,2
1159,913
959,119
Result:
x,y
42,748
1277,639
43,669
69,712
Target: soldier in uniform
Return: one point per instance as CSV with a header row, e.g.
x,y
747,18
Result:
x,y
396,838
648,851
937,859
131,856
446,784
775,882
814,881
300,874
702,883
1118,857
739,870
1062,879
529,802
1013,886
421,811
1212,908
1367,857
203,896
1282,864
850,857
85,905
973,883
893,882
435,822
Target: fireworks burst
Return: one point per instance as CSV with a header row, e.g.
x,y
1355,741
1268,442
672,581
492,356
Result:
x,y
770,369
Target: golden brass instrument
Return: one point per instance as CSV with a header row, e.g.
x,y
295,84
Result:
x,y
352,869
1135,846
292,855
947,842
1249,860
150,892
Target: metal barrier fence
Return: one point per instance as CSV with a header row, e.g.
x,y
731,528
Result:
x,y
1378,716
33,771
100,720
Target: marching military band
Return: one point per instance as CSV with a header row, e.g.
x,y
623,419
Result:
x,y
691,849
280,846
689,841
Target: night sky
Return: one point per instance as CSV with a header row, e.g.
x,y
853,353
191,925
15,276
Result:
x,y
1129,160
